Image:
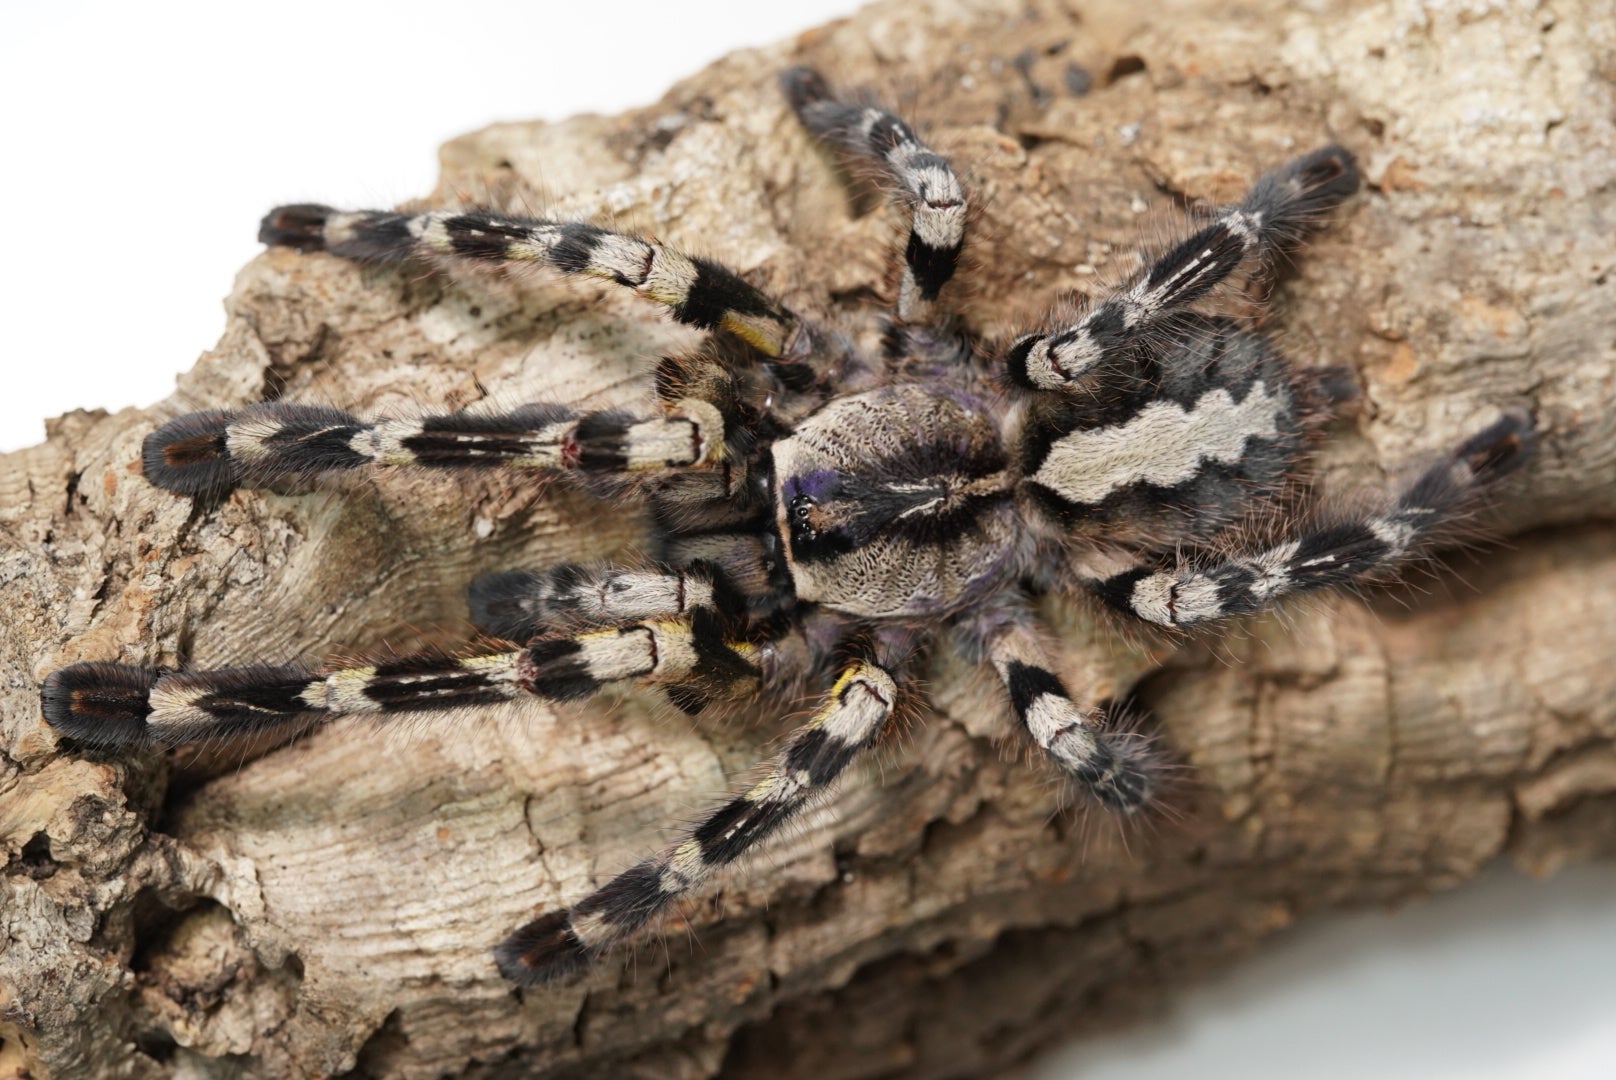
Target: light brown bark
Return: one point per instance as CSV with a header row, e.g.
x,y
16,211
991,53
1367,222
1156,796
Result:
x,y
331,905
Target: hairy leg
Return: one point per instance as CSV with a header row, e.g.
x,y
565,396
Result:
x,y
852,719
1116,769
1339,554
114,705
696,292
1281,206
914,174
703,426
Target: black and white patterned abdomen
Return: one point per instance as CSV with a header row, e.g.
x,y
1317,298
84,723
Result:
x,y
1178,452
896,503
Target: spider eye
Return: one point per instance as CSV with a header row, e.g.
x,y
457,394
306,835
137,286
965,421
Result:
x,y
804,527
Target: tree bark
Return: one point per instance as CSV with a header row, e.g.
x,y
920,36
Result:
x,y
330,905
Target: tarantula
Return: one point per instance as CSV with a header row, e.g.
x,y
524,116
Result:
x,y
822,513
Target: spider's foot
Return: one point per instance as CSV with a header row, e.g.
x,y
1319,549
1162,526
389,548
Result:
x,y
1502,447
115,705
1125,774
803,86
1326,177
1337,388
216,451
100,704
1292,200
545,950
300,226
190,455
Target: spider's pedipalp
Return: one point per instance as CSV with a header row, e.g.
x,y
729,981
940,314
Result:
x,y
748,573
917,175
852,719
728,573
518,605
1277,209
1334,555
696,292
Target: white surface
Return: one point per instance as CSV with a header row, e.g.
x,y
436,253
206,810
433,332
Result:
x,y
247,106
1507,981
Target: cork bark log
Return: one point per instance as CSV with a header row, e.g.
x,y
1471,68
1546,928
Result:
x,y
329,906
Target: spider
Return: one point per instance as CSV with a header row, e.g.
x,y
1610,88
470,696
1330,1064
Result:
x,y
825,513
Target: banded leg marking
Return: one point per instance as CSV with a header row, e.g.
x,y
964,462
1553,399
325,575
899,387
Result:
x,y
696,292
1280,206
919,177
852,719
114,705
1335,555
216,451
691,659
1116,768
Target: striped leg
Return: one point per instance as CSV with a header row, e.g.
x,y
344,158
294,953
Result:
x,y
1280,207
1335,555
1116,768
851,720
696,292
113,705
214,452
916,175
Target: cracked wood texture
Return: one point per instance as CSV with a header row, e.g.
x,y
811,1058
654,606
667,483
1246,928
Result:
x,y
329,907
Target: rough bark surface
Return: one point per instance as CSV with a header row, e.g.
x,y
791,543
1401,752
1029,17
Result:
x,y
329,906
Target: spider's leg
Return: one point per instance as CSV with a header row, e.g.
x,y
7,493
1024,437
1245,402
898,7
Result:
x,y
1281,206
705,426
852,719
1116,768
696,292
917,176
216,451
1337,554
113,705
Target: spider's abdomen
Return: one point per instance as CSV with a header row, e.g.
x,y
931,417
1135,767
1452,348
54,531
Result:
x,y
896,503
1209,427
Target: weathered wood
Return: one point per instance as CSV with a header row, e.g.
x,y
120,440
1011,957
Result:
x,y
331,905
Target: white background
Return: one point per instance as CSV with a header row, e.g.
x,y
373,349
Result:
x,y
143,141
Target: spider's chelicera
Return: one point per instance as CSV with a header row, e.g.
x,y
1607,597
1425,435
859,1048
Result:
x,y
824,514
